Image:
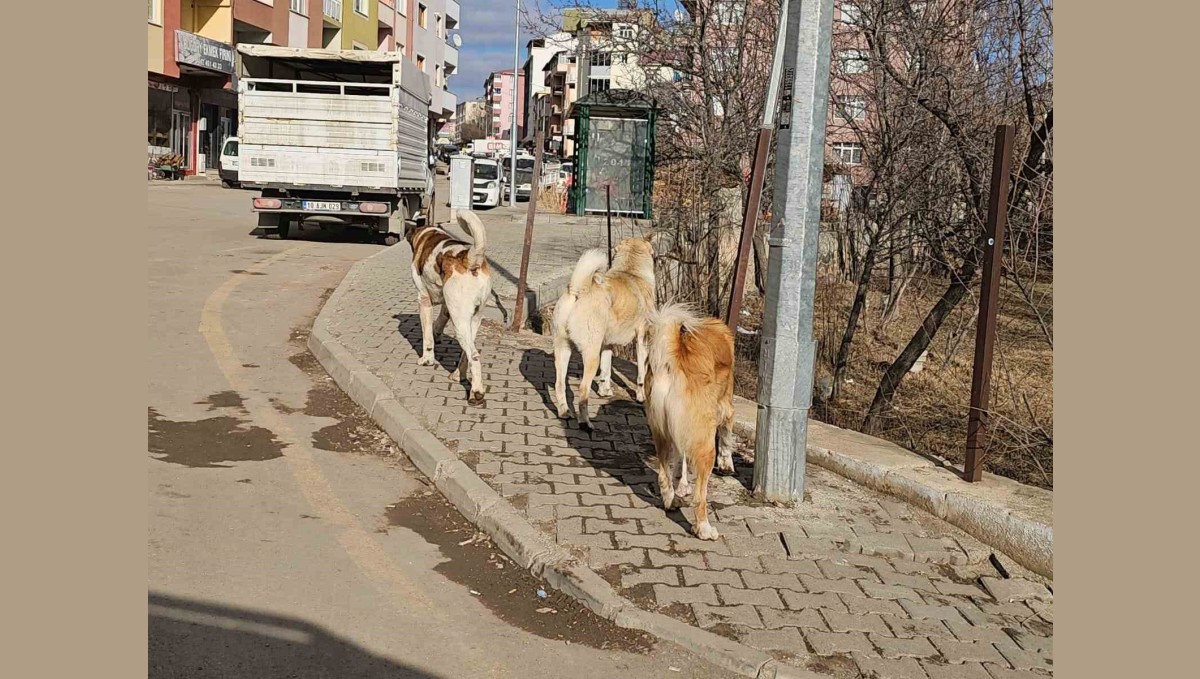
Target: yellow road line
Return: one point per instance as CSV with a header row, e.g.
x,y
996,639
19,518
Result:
x,y
355,539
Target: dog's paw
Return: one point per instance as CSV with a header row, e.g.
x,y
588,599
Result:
x,y
605,391
476,399
683,489
668,501
641,395
705,531
586,426
725,464
426,359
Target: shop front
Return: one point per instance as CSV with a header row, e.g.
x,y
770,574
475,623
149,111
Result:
x,y
191,115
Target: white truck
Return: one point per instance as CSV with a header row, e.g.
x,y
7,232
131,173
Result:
x,y
338,137
486,183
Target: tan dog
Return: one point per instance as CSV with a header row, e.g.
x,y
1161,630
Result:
x,y
599,311
689,403
455,274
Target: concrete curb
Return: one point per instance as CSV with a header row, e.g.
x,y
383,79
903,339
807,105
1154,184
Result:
x,y
512,532
1012,517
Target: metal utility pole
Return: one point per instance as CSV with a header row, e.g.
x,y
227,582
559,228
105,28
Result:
x,y
534,185
786,363
761,149
989,298
512,131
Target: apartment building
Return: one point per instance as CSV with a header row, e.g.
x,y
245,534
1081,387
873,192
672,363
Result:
x,y
502,93
429,42
191,57
471,121
540,51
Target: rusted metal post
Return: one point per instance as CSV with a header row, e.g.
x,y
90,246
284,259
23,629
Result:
x,y
761,150
431,218
985,329
608,213
535,183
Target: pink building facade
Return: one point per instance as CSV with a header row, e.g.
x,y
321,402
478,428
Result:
x,y
500,96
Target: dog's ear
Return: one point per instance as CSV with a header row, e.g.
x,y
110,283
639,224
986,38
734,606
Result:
x,y
657,239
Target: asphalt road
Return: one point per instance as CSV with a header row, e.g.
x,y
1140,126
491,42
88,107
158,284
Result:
x,y
287,537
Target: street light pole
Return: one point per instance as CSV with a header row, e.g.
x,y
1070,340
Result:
x,y
788,349
512,131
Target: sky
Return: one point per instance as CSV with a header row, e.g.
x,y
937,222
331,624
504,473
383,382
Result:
x,y
486,27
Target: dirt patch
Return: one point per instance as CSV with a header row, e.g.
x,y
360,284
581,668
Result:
x,y
224,399
210,442
840,666
248,273
508,591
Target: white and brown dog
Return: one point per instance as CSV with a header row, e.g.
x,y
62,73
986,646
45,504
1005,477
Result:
x,y
455,274
689,403
600,310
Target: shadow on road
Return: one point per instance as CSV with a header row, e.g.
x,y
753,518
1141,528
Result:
x,y
196,639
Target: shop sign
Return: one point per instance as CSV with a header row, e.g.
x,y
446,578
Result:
x,y
196,50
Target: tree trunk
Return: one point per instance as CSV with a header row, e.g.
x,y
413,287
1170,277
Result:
x,y
856,309
760,260
890,382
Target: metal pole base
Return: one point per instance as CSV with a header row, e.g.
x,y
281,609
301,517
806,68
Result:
x,y
780,478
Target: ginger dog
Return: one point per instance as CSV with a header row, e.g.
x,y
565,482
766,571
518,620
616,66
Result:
x,y
455,274
600,310
689,403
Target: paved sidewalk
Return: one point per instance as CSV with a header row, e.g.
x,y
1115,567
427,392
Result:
x,y
850,583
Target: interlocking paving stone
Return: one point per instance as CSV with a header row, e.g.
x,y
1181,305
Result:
x,y
757,597
879,668
970,670
894,647
957,652
862,563
810,618
707,616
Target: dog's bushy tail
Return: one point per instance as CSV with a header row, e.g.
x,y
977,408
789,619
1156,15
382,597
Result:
x,y
586,269
667,326
471,222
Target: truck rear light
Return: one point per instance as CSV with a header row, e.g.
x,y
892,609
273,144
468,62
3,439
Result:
x,y
373,208
268,203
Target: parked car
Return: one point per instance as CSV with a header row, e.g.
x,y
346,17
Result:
x,y
227,165
489,176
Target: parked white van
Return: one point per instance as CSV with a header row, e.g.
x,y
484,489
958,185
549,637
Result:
x,y
489,177
227,167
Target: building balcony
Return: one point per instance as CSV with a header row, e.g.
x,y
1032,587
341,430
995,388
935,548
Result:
x,y
386,14
331,11
443,104
452,14
451,58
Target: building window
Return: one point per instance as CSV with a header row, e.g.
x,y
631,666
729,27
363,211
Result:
x,y
601,59
437,26
423,16
299,7
851,14
421,62
729,12
852,108
625,31
852,61
158,131
154,12
361,7
848,153
437,76
598,85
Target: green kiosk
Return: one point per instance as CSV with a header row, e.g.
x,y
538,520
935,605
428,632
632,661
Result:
x,y
614,154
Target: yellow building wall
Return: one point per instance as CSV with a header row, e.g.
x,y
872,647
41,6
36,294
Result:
x,y
358,28
154,48
209,18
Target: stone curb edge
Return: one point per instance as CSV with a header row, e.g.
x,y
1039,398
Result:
x,y
1027,541
520,540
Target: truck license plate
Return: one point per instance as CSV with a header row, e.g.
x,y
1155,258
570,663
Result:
x,y
321,205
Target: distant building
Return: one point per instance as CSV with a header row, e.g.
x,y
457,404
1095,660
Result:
x,y
501,93
471,121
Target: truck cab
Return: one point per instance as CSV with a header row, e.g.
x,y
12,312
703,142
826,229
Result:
x,y
524,176
227,167
485,188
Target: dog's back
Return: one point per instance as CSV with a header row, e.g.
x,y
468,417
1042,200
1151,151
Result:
x,y
690,386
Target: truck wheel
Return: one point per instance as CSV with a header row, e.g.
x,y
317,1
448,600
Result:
x,y
390,239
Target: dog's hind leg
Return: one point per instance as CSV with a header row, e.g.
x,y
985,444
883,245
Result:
x,y
683,488
725,446
703,461
641,365
439,326
562,358
665,488
591,363
426,330
605,388
465,327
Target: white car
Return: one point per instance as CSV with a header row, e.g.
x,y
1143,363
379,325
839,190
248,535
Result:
x,y
485,189
227,166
